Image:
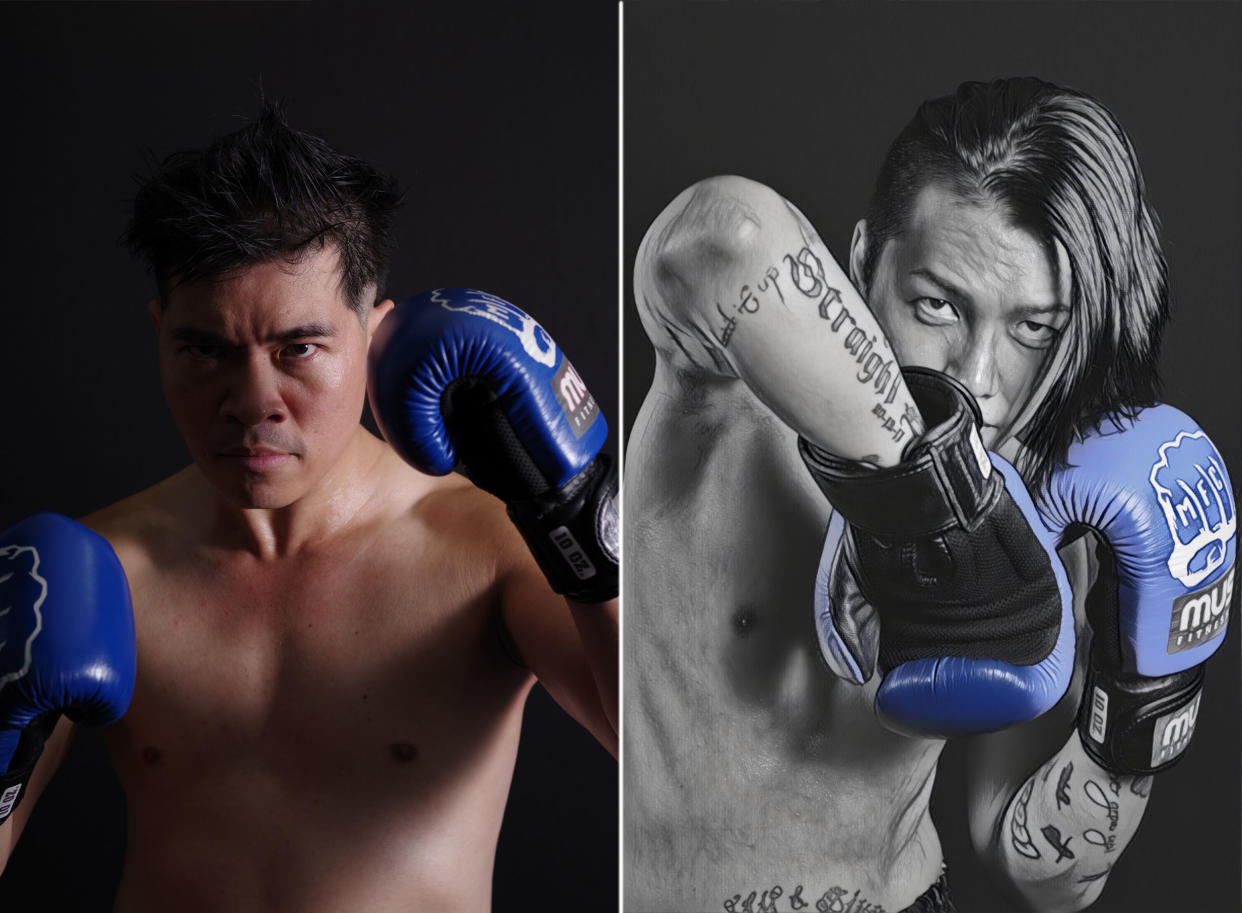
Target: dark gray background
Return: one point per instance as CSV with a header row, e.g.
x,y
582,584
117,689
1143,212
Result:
x,y
807,97
499,120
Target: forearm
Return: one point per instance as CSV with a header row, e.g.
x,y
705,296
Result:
x,y
598,626
742,282
1064,829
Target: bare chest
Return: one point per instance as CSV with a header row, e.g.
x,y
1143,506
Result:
x,y
362,675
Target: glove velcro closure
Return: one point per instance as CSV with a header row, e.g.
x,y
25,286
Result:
x,y
944,479
22,764
572,532
1133,724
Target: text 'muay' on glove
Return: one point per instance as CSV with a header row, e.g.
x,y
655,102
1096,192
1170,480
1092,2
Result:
x,y
460,379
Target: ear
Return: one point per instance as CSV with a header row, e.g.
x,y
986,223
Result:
x,y
858,256
156,312
376,317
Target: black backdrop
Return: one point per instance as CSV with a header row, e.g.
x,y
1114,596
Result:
x,y
807,97
501,123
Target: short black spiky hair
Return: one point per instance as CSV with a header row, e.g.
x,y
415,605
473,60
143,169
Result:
x,y
263,192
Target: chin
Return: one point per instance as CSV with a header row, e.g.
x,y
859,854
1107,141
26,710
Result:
x,y
250,491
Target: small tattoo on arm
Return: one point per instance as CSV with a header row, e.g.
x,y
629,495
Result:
x,y
1096,794
1053,835
1063,785
1018,833
1099,838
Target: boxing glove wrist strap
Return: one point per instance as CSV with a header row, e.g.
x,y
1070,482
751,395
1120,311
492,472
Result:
x,y
944,480
21,765
1132,724
572,532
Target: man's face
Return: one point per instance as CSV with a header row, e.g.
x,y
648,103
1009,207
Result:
x,y
965,292
265,373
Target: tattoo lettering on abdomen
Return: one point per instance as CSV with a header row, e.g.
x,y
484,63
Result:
x,y
1063,797
835,900
1018,833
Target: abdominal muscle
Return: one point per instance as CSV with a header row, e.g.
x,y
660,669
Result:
x,y
752,775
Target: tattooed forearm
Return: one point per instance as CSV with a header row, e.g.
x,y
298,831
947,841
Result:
x,y
772,900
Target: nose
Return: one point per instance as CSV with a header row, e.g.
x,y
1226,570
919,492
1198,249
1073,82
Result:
x,y
253,393
973,363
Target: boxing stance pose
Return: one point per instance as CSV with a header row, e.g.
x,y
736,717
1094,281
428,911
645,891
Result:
x,y
1010,266
333,649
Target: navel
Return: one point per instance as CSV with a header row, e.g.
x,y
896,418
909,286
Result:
x,y
744,621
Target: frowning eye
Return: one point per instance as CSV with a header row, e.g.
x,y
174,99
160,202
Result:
x,y
203,352
935,312
299,351
1035,335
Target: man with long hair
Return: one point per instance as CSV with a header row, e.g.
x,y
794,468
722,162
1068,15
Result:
x,y
1011,258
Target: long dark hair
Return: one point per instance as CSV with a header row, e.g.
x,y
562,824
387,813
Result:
x,y
1063,169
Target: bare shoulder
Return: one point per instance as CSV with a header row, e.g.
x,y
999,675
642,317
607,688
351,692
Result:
x,y
146,527
455,518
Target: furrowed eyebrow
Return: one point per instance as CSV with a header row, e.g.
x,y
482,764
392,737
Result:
x,y
944,284
1032,310
306,331
195,336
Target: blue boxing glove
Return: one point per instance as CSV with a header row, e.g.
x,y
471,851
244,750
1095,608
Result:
x,y
460,379
940,572
66,640
1155,491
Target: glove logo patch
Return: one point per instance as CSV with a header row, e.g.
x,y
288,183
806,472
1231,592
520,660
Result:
x,y
576,401
1172,732
1193,492
1099,714
574,554
22,591
535,339
8,799
1200,616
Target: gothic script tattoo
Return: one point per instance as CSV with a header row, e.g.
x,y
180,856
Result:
x,y
1063,786
833,901
1018,832
1053,835
1096,794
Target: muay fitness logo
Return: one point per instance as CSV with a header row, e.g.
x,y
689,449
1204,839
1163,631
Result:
x,y
535,339
1193,491
22,591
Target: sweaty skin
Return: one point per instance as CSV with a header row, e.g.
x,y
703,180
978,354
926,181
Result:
x,y
749,767
326,714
